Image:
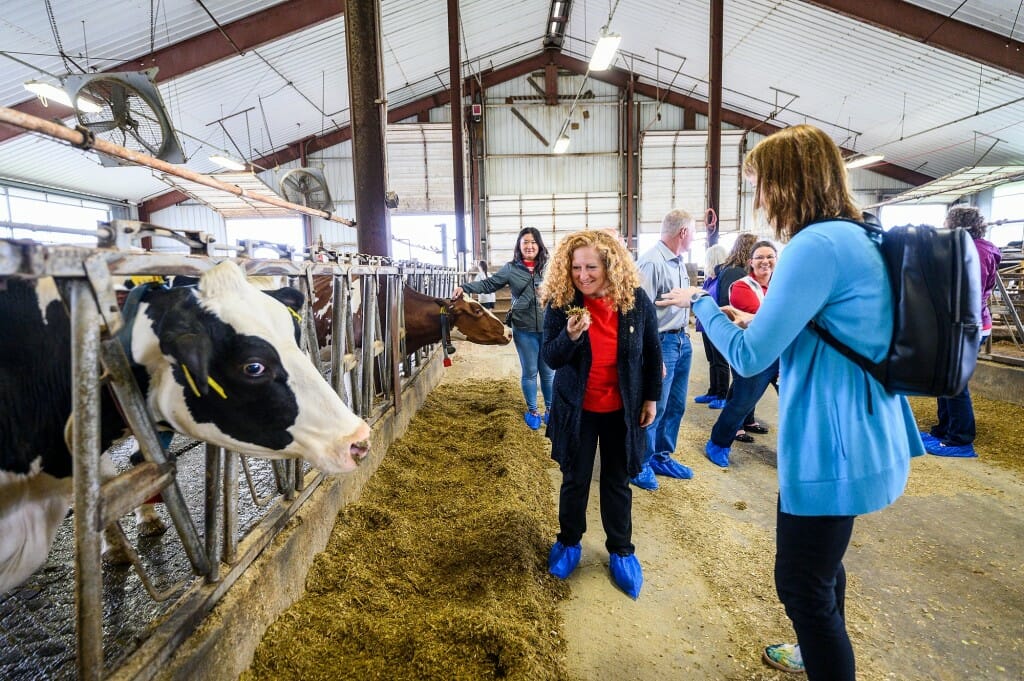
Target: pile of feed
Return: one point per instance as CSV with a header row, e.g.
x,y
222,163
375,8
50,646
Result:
x,y
439,571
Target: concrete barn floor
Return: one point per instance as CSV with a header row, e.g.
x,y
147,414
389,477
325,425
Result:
x,y
936,581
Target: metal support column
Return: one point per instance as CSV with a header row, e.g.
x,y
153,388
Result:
x,y
368,106
715,119
458,155
85,448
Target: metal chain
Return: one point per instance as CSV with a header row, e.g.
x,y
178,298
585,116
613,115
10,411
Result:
x,y
56,36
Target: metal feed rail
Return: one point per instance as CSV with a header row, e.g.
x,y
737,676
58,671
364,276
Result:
x,y
90,273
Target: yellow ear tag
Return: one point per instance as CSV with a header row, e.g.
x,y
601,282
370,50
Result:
x,y
216,388
191,383
295,314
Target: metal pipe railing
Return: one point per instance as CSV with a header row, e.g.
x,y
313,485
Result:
x,y
85,140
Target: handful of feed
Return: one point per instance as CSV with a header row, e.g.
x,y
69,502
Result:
x,y
577,311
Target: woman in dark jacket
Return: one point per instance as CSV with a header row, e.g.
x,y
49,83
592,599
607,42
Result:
x,y
601,338
523,275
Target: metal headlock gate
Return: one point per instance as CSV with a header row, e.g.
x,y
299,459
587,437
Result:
x,y
369,380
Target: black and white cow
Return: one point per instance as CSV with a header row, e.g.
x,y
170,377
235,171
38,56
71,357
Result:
x,y
219,362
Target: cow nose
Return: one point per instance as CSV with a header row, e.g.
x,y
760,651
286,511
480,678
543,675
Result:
x,y
359,450
359,443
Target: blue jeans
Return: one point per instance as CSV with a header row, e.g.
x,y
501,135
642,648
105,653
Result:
x,y
528,348
956,418
811,582
746,391
676,354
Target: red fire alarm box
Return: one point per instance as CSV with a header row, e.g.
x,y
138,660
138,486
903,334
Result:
x,y
477,110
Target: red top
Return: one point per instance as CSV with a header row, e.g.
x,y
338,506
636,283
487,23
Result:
x,y
602,391
742,297
529,264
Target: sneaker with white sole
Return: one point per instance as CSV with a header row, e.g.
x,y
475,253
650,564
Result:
x,y
785,657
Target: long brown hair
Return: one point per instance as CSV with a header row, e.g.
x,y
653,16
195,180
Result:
x,y
799,177
742,248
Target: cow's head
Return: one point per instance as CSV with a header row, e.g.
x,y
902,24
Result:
x,y
476,323
225,366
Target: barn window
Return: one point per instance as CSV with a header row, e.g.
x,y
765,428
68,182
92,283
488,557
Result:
x,y
26,214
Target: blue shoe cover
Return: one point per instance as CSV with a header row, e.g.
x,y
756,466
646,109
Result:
x,y
532,419
547,415
703,399
716,404
937,448
717,455
927,437
663,464
562,559
646,479
627,573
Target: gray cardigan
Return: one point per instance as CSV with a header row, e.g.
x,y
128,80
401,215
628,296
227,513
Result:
x,y
526,313
639,360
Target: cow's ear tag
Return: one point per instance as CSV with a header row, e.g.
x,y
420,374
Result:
x,y
193,352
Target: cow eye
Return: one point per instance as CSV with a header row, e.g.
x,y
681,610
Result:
x,y
253,369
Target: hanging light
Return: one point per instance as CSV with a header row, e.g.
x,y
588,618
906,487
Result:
x,y
48,92
227,162
604,51
561,144
861,161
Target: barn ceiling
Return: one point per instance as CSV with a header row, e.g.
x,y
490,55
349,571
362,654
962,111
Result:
x,y
934,85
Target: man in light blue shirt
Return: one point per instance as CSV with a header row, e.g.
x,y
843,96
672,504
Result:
x,y
662,269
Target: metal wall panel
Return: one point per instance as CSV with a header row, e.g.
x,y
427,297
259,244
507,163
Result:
x,y
673,175
420,167
527,185
554,215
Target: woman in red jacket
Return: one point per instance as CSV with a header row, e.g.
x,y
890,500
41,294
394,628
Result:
x,y
601,338
745,294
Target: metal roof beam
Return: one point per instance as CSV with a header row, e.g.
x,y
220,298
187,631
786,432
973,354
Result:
x,y
207,48
934,29
619,78
538,62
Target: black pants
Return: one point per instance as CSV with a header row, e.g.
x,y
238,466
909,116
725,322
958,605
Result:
x,y
718,369
811,583
616,496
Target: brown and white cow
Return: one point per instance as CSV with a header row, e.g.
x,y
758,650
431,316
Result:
x,y
219,363
467,319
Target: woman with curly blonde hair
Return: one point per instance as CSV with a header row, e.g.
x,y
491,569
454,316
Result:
x,y
601,338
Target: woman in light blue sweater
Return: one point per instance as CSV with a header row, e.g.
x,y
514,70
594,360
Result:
x,y
844,442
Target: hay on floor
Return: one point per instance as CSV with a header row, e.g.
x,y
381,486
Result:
x,y
439,571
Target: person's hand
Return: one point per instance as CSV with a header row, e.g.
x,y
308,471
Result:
x,y
576,325
648,412
738,317
457,293
680,297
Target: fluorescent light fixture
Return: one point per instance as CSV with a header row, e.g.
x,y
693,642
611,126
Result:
x,y
227,162
604,51
861,161
561,145
50,92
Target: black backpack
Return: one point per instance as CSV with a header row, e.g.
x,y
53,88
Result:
x,y
936,300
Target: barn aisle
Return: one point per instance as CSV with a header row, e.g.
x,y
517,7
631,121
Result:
x,y
935,585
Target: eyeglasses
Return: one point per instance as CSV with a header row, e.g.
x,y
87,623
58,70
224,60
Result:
x,y
763,257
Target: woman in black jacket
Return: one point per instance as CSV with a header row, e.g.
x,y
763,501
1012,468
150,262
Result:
x,y
523,275
601,338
